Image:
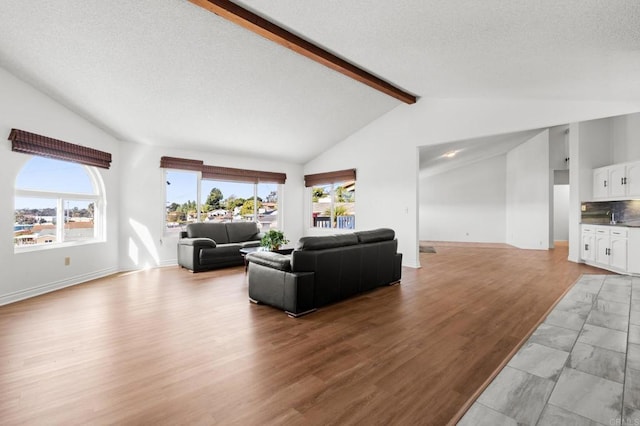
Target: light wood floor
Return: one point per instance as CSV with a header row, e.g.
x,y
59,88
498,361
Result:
x,y
165,346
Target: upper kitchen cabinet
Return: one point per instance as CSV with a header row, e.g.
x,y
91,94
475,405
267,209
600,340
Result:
x,y
632,179
619,181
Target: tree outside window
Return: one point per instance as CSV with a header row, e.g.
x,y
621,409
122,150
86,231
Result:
x,y
333,205
219,201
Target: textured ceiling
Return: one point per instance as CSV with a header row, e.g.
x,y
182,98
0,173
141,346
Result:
x,y
169,73
569,49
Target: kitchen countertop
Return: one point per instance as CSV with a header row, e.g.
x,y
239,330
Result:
x,y
630,224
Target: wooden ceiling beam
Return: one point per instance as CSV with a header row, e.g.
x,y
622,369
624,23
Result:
x,y
249,20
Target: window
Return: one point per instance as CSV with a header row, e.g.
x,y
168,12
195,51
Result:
x,y
224,201
181,195
56,202
199,193
332,199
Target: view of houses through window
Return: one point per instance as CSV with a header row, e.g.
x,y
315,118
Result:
x,y
333,205
55,202
191,199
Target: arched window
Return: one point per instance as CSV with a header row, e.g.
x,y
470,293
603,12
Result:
x,y
57,203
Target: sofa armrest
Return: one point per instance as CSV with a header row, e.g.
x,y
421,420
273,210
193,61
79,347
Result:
x,y
292,292
271,259
197,242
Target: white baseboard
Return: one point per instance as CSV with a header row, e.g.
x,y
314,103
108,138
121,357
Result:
x,y
53,286
411,264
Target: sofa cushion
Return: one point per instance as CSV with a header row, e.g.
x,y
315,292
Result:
x,y
197,242
242,231
326,242
216,231
271,259
375,235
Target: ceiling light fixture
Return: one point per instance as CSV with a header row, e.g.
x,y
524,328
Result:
x,y
450,154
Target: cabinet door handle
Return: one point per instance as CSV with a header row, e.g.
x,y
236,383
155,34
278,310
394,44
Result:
x,y
586,247
605,183
625,181
621,181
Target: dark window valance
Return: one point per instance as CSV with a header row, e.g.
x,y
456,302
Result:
x,y
181,164
222,173
329,177
241,175
31,143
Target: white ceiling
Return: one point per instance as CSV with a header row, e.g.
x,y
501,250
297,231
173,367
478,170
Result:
x,y
433,160
169,73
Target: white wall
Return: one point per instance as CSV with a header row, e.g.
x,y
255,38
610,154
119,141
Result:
x,y
30,273
385,152
465,204
561,212
134,188
558,147
142,243
590,147
528,194
625,138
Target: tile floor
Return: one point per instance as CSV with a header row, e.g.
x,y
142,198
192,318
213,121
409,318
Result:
x,y
580,367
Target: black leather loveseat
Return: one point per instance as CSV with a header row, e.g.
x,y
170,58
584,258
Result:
x,y
210,245
324,270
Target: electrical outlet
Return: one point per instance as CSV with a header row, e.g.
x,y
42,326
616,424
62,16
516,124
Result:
x,y
67,261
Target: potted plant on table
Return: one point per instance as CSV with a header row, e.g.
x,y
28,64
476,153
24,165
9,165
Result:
x,y
273,239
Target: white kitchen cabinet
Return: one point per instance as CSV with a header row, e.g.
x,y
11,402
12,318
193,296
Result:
x,y
633,253
617,186
602,241
619,181
600,183
587,251
609,247
633,179
618,248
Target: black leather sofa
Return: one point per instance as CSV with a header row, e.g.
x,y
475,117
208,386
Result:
x,y
205,246
324,270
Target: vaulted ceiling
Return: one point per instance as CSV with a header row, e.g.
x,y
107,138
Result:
x,y
169,73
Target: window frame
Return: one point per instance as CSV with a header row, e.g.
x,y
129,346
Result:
x,y
332,196
199,216
98,199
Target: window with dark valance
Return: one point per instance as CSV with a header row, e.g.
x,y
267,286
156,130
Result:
x,y
222,173
329,177
34,144
181,164
333,199
197,192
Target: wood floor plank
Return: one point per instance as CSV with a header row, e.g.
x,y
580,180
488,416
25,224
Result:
x,y
165,346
